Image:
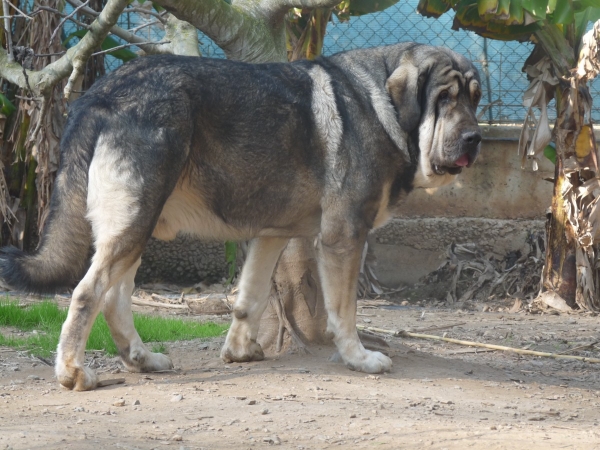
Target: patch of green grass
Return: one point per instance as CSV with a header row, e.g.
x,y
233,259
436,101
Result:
x,y
47,318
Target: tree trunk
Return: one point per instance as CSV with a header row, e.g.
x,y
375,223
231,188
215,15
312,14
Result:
x,y
296,313
560,272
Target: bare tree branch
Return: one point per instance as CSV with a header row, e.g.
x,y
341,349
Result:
x,y
216,18
18,10
119,47
123,34
7,30
71,64
183,37
246,30
64,19
58,13
159,16
11,70
99,29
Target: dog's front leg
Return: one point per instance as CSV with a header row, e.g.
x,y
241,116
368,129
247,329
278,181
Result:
x,y
340,250
254,288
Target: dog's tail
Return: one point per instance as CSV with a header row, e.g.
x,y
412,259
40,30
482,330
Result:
x,y
63,254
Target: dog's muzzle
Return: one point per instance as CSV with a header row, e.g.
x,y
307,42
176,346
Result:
x,y
469,149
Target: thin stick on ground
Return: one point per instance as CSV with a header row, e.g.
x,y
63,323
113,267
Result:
x,y
520,351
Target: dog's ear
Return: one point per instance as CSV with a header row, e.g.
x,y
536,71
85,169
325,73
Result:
x,y
405,88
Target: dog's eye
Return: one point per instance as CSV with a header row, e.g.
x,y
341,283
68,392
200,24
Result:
x,y
443,95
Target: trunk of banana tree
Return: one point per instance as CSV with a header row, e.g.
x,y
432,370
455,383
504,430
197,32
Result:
x,y
560,273
572,255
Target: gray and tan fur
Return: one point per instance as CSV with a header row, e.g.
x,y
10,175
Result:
x,y
227,150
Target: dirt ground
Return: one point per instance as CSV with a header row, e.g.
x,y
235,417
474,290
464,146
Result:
x,y
438,395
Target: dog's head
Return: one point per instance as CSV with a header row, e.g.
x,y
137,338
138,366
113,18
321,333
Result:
x,y
436,92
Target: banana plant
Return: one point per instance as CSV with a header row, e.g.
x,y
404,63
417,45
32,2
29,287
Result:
x,y
563,61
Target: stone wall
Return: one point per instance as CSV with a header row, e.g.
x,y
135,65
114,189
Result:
x,y
184,260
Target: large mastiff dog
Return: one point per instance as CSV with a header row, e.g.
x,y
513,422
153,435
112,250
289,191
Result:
x,y
231,151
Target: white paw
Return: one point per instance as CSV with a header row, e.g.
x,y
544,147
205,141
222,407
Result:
x,y
370,362
142,360
235,351
76,377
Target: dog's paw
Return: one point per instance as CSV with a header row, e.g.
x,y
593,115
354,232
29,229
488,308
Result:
x,y
370,362
242,352
142,360
76,378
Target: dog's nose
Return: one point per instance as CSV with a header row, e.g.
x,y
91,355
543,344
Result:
x,y
471,138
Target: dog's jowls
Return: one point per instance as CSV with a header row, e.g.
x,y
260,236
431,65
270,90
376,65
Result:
x,y
231,151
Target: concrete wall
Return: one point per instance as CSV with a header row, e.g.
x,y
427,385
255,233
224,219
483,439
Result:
x,y
495,204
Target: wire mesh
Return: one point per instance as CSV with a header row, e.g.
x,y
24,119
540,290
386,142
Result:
x,y
500,63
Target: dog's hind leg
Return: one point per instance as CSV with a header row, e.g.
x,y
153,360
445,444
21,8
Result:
x,y
117,312
254,288
124,199
85,306
339,255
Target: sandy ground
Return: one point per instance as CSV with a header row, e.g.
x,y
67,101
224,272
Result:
x,y
438,396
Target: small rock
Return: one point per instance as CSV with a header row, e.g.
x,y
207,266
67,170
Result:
x,y
404,303
365,320
136,403
120,402
353,416
537,418
264,411
252,402
177,437
274,440
33,377
79,409
177,398
303,370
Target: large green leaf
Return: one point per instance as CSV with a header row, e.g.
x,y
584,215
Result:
x,y
582,4
123,54
537,8
550,152
563,13
6,106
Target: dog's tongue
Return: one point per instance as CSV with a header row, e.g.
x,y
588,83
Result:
x,y
462,161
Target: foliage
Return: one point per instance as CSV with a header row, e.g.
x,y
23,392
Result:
x,y
6,106
510,20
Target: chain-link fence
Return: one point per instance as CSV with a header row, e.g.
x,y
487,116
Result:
x,y
500,63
